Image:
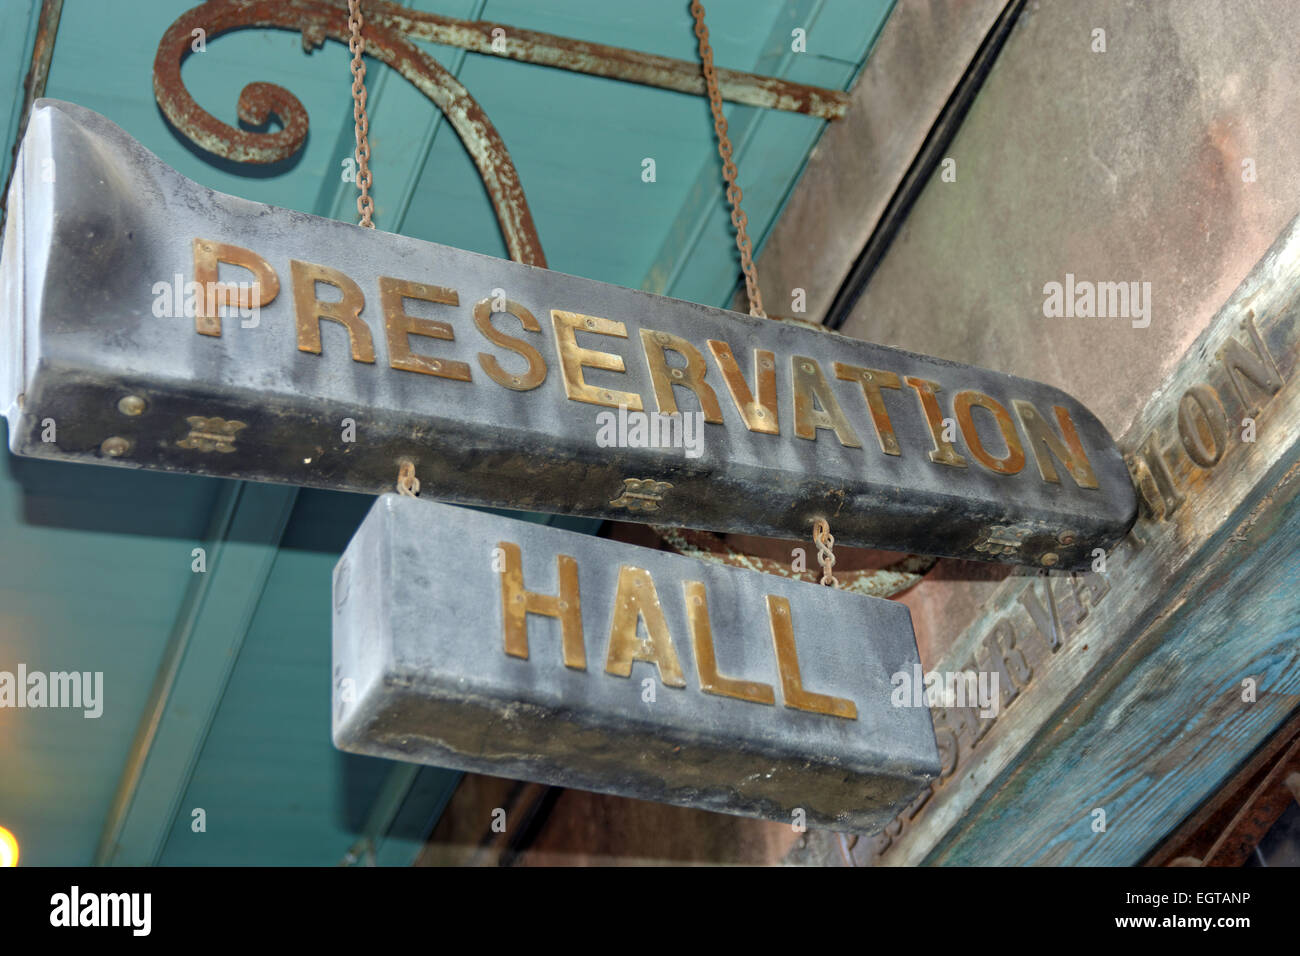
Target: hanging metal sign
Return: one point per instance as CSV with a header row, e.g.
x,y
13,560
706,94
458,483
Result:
x,y
469,640
150,322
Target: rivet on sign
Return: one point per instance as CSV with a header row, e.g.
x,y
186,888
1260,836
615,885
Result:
x,y
115,447
131,405
662,338
677,373
435,364
591,323
1049,558
806,366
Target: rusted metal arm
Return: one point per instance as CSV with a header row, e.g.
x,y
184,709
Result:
x,y
318,20
615,63
388,28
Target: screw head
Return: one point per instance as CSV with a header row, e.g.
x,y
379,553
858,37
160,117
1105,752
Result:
x,y
115,447
1066,537
1049,559
131,405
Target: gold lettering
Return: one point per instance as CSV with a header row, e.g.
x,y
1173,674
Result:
x,y
536,372
1154,479
872,381
309,310
637,600
809,385
1014,460
573,358
1258,369
399,325
926,392
706,661
760,415
787,661
1203,425
207,320
655,345
1070,453
517,604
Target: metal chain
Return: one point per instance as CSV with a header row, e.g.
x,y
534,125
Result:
x,y
407,483
825,542
357,44
738,217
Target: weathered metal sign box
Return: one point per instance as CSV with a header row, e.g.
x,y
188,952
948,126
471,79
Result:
x,y
150,322
468,640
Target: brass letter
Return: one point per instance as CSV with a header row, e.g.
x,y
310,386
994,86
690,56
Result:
x,y
1070,453
347,310
872,381
1151,474
655,344
206,256
1259,369
1015,457
517,604
399,325
809,383
635,600
944,453
760,415
706,661
787,662
573,358
1203,425
536,373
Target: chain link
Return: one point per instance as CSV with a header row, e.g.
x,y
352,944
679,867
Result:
x,y
407,483
826,557
738,217
357,44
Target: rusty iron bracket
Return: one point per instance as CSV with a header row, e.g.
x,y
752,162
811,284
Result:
x,y
317,20
389,30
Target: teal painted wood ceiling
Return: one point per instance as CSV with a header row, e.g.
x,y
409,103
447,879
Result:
x,y
96,563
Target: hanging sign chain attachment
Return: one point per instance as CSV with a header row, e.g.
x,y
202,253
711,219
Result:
x,y
407,483
729,172
825,555
357,44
